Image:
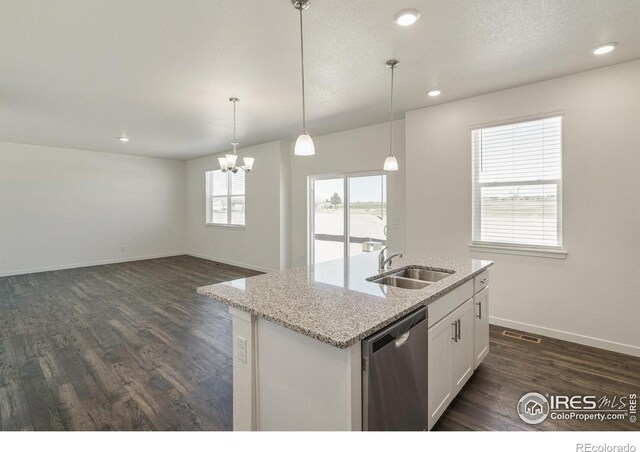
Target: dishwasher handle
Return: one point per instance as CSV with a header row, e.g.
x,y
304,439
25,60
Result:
x,y
402,339
398,333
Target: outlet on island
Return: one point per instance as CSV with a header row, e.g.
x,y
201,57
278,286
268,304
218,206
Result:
x,y
242,349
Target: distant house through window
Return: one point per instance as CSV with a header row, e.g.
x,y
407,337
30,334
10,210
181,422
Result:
x,y
517,184
225,198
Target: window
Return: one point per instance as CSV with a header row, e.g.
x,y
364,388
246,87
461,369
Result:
x,y
517,184
225,198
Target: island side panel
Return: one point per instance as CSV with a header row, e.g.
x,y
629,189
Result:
x,y
305,384
244,370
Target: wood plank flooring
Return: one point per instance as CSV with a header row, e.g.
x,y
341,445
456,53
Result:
x,y
127,346
515,367
132,346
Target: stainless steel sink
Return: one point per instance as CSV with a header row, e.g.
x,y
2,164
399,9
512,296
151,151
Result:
x,y
410,278
404,283
421,274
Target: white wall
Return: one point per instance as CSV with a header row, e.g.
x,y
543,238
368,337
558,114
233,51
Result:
x,y
286,150
64,208
260,245
593,296
362,149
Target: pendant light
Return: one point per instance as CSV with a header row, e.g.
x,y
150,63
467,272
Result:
x,y
391,163
228,162
304,143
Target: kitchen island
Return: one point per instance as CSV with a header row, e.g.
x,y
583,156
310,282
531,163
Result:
x,y
297,354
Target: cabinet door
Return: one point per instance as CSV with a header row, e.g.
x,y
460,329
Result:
x,y
481,326
463,349
441,336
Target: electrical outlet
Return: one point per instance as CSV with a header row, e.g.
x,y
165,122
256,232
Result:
x,y
242,349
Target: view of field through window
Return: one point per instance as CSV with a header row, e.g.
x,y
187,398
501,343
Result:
x,y
364,202
517,177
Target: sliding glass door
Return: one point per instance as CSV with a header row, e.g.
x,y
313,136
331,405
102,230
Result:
x,y
328,219
348,215
367,213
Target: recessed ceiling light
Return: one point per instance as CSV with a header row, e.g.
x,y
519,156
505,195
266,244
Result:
x,y
434,93
123,139
407,17
604,48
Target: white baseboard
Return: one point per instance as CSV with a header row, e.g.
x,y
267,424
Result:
x,y
50,268
87,264
234,263
566,336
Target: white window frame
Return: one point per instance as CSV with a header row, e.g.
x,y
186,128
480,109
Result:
x,y
558,251
209,197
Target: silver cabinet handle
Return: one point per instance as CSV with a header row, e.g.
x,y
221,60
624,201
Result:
x,y
484,281
459,328
479,303
402,339
455,331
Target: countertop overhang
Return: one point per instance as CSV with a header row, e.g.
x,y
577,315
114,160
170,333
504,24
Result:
x,y
333,302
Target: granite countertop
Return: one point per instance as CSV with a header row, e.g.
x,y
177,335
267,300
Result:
x,y
333,302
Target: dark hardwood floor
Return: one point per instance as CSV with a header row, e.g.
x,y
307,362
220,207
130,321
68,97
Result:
x,y
515,367
132,346
127,346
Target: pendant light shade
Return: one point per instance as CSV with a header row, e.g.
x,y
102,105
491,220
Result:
x,y
304,143
223,163
231,159
248,163
391,163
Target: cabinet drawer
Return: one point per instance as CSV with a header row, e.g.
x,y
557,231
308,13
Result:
x,y
480,281
444,305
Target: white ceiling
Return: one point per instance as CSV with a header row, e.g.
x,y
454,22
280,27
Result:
x,y
79,73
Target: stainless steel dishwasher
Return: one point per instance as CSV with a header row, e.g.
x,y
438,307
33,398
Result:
x,y
394,375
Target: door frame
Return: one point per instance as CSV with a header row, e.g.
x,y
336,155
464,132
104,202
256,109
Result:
x,y
311,207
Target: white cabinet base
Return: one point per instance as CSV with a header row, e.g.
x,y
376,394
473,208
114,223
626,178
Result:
x,y
293,382
481,326
463,362
458,341
440,369
283,380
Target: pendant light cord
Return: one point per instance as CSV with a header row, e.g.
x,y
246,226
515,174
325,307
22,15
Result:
x,y
391,116
304,113
234,143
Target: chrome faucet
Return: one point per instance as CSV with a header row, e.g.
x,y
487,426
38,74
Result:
x,y
383,262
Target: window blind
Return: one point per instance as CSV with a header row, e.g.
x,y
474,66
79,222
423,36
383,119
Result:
x,y
225,198
517,184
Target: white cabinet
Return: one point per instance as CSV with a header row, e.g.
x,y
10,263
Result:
x,y
440,359
481,326
450,358
458,341
463,359
481,281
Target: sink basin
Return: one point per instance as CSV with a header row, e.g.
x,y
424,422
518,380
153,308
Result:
x,y
411,278
421,274
403,283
